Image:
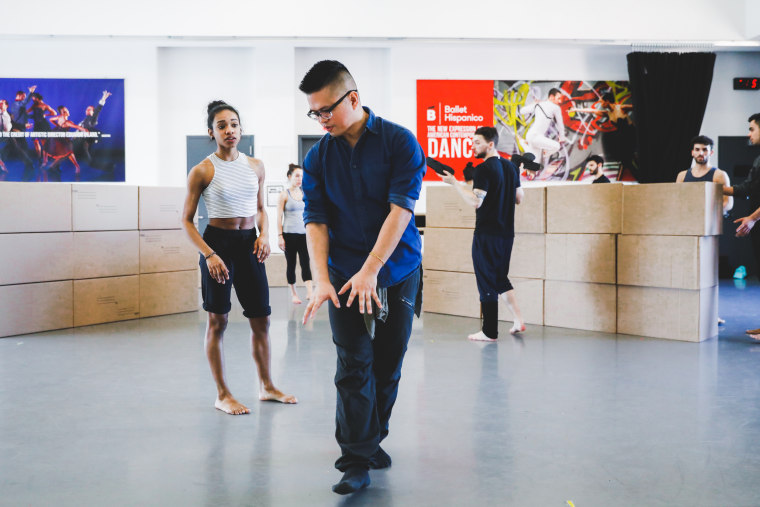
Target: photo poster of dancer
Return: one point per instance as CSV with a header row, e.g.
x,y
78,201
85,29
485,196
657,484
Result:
x,y
559,124
61,129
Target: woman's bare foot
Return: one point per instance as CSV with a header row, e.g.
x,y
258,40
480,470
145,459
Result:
x,y
517,329
275,394
295,300
480,337
231,406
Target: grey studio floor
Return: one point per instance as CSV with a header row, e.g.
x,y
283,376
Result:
x,y
122,414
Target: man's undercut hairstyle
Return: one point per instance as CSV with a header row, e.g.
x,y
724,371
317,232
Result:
x,y
489,134
553,92
702,140
596,158
608,97
323,74
755,118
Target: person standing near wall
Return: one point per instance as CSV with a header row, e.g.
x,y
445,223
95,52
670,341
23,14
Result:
x,y
231,253
495,192
361,182
750,188
701,151
292,232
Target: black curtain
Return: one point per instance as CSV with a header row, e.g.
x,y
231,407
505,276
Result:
x,y
669,93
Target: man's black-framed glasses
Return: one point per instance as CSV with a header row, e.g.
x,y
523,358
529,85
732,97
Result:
x,y
326,114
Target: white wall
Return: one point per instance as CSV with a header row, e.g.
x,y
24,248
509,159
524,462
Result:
x,y
499,19
169,82
188,79
728,109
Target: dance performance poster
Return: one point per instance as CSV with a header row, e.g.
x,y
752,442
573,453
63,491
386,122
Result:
x,y
561,123
448,112
61,129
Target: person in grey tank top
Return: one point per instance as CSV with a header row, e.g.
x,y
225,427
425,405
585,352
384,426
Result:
x,y
292,232
231,251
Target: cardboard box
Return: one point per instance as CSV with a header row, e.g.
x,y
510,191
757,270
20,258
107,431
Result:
x,y
161,207
528,256
166,250
581,257
167,293
453,293
35,307
36,257
584,209
276,267
678,262
35,207
106,253
103,207
674,314
445,208
580,305
448,249
451,250
100,300
530,214
673,209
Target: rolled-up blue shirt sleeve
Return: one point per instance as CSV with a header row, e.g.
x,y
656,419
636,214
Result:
x,y
408,169
315,208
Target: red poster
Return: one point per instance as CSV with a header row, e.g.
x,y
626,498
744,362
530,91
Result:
x,y
448,112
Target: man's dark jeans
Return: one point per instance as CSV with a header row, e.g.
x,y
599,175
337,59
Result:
x,y
368,371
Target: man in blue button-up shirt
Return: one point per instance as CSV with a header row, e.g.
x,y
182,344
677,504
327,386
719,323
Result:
x,y
360,183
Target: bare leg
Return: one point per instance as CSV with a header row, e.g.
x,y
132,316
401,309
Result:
x,y
294,294
308,289
225,402
260,346
511,301
74,161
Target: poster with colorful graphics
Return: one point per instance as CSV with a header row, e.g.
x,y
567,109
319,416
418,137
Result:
x,y
61,130
561,124
448,112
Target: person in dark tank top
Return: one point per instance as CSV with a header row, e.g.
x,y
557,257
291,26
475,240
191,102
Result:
x,y
701,150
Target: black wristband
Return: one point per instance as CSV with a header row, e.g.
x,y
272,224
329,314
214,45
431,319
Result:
x,y
210,255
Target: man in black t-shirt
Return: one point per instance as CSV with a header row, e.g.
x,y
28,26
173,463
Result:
x,y
496,190
594,166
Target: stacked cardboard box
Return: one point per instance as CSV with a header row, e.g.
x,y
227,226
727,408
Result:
x,y
668,261
36,288
447,260
633,259
168,261
76,256
582,223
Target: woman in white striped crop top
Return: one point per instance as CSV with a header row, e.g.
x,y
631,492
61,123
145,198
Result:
x,y
231,252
